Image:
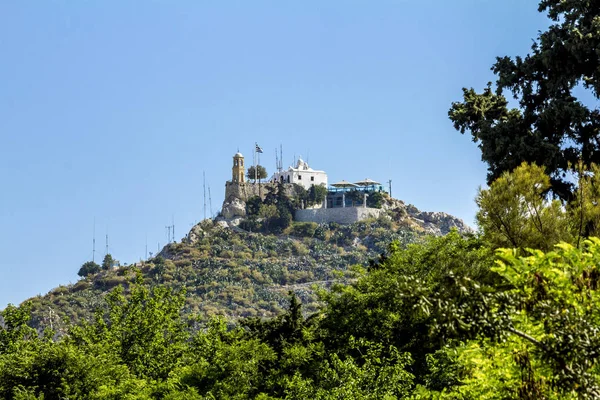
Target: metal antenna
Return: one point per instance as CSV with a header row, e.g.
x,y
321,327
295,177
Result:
x,y
168,228
254,160
173,226
210,202
204,185
94,242
390,186
106,252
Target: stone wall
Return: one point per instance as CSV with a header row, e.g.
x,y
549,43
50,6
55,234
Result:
x,y
244,190
343,215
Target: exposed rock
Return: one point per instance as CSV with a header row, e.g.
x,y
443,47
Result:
x,y
440,223
435,223
235,221
222,223
234,208
199,231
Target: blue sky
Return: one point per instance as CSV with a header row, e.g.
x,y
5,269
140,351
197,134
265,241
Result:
x,y
111,110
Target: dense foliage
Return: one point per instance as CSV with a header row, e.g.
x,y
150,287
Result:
x,y
444,319
258,172
552,125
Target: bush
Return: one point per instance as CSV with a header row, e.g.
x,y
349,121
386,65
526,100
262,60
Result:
x,y
88,268
253,206
250,225
321,232
375,200
316,194
303,229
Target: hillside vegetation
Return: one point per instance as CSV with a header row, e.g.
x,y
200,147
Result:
x,y
233,273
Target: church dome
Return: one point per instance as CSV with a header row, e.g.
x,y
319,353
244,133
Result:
x,y
238,155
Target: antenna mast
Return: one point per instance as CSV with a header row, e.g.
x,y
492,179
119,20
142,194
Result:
x,y
210,202
390,186
168,228
94,242
204,185
106,252
280,165
173,226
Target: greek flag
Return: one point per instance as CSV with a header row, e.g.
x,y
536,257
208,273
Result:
x,y
258,149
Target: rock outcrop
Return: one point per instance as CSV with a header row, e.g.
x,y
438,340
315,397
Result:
x,y
434,223
232,208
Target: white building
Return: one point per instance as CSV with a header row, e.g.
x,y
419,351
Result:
x,y
302,175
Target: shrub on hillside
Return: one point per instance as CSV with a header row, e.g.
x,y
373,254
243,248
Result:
x,y
88,268
303,229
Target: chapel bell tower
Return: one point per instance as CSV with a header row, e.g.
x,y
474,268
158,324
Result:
x,y
238,168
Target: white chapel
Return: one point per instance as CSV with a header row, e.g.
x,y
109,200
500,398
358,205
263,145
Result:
x,y
302,175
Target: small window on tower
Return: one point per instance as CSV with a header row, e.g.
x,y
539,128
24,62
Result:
x,y
299,177
312,178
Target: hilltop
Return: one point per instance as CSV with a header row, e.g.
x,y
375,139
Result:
x,y
231,272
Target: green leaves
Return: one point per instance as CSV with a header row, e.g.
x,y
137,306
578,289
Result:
x,y
88,268
514,212
14,330
555,297
550,127
144,330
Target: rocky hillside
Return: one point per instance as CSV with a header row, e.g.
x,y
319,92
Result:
x,y
225,270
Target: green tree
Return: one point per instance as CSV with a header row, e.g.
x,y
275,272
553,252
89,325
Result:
x,y
261,173
88,268
253,206
14,328
268,212
551,126
583,209
400,300
316,194
107,262
144,330
375,200
552,305
514,212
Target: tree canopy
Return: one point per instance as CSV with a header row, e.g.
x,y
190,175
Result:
x,y
554,124
88,268
107,262
261,172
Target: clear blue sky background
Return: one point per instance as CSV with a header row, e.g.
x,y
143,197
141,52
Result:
x,y
112,109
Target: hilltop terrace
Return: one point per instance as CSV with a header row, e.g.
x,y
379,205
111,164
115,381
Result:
x,y
346,194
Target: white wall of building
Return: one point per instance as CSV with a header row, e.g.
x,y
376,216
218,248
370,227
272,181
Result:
x,y
302,175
